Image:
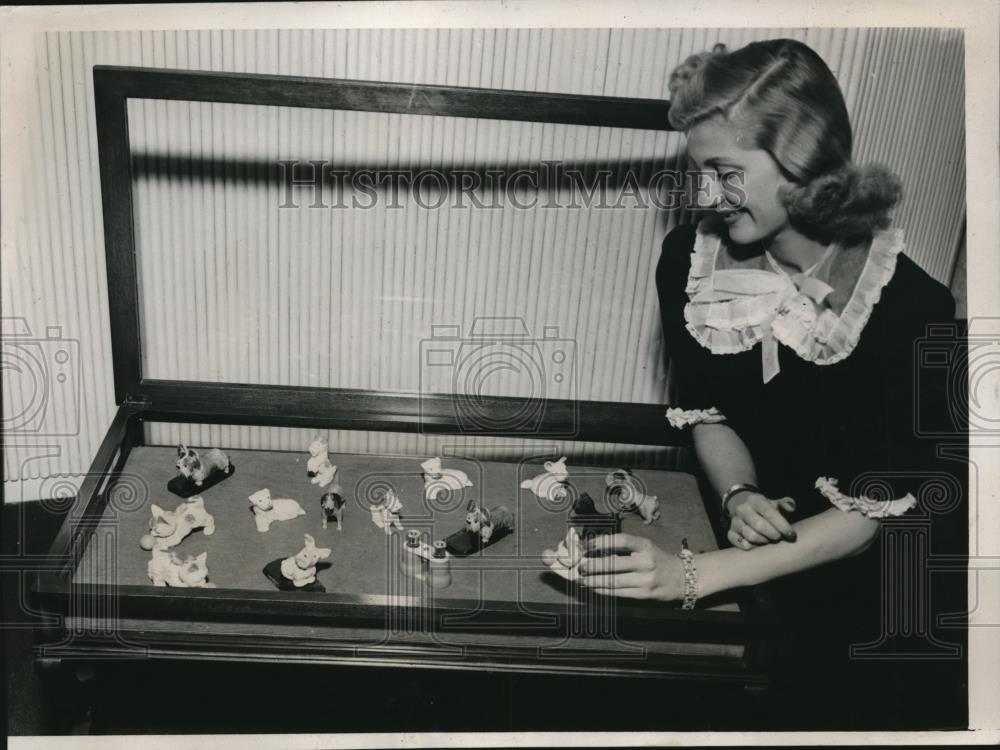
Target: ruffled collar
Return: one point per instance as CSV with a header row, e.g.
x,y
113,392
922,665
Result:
x,y
730,310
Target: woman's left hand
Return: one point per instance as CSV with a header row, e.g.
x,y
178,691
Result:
x,y
647,572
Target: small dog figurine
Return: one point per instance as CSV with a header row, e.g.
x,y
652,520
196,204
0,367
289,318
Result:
x,y
565,559
497,521
198,467
437,479
267,510
625,492
300,569
319,468
332,505
167,569
551,484
385,515
167,528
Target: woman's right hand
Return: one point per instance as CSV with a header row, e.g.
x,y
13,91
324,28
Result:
x,y
757,520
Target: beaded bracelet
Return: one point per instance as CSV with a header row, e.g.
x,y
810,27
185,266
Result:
x,y
690,576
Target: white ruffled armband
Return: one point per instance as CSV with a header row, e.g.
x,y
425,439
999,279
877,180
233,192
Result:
x,y
827,487
681,418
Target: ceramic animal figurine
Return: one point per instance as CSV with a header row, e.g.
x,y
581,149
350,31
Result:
x,y
200,466
332,506
625,491
437,479
565,559
385,514
551,484
267,510
590,522
167,569
489,524
300,569
167,528
319,468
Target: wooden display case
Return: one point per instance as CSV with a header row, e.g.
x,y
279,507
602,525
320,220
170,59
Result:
x,y
504,610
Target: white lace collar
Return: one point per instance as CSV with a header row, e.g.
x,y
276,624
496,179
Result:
x,y
730,310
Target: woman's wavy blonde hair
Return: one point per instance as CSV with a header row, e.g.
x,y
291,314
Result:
x,y
785,97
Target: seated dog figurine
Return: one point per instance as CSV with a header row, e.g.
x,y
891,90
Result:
x,y
267,510
551,484
319,468
167,569
437,479
565,559
385,514
199,466
300,569
625,493
332,506
167,528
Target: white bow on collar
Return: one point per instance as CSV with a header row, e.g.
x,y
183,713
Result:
x,y
731,310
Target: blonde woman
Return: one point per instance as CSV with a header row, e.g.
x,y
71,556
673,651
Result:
x,y
790,315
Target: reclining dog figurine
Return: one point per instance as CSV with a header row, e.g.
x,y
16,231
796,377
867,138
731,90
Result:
x,y
267,510
625,492
550,485
167,569
167,528
438,479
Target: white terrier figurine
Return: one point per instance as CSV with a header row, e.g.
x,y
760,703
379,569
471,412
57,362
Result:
x,y
437,479
550,485
167,528
267,510
626,493
385,515
167,569
198,467
565,559
319,468
300,569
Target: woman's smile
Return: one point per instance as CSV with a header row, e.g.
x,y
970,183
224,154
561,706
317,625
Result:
x,y
732,216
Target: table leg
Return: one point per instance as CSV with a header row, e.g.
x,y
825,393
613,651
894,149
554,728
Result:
x,y
67,688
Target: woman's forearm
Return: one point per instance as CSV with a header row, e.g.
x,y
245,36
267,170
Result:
x,y
820,539
723,456
829,536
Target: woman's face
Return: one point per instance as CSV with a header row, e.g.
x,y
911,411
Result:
x,y
743,181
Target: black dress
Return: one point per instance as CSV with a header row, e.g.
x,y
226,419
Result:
x,y
854,421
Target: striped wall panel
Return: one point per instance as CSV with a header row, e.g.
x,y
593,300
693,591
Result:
x,y
237,288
